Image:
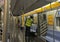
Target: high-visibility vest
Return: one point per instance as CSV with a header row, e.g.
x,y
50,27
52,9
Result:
x,y
29,22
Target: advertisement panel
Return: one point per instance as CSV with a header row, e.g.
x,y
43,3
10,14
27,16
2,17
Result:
x,y
50,19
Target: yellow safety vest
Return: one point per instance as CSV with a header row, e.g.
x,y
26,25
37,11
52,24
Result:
x,y
29,22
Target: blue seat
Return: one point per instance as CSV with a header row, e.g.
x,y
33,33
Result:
x,y
50,39
56,35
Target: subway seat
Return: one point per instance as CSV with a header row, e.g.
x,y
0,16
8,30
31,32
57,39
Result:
x,y
49,36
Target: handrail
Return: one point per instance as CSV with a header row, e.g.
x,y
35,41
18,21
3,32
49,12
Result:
x,y
5,21
44,8
41,9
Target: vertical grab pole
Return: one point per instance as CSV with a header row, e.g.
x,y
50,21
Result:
x,y
4,39
22,20
23,27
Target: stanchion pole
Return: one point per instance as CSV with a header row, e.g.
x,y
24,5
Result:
x,y
23,28
4,39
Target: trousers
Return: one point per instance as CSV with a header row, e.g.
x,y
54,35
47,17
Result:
x,y
27,34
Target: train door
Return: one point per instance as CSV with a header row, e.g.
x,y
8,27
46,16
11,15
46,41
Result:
x,y
42,26
57,26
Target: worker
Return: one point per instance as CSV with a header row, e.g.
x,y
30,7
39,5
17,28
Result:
x,y
28,24
33,31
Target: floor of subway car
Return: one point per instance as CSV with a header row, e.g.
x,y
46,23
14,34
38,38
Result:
x,y
0,41
38,39
20,39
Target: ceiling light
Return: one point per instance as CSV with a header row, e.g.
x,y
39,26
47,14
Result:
x,y
59,0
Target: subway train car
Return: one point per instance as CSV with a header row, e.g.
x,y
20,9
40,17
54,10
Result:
x,y
48,29
13,19
48,25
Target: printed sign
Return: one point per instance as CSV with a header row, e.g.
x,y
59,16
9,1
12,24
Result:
x,y
50,19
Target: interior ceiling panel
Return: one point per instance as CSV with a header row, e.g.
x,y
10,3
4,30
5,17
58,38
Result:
x,y
51,0
28,3
18,6
36,5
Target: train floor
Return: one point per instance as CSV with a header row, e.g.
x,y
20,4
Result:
x,y
21,40
37,40
20,37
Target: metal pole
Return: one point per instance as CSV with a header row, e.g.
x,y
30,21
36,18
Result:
x,y
4,34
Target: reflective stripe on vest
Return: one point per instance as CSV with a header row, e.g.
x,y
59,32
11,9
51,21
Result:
x,y
29,22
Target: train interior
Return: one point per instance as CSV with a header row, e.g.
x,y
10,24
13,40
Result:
x,y
48,25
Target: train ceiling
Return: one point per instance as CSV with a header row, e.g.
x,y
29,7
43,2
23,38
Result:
x,y
19,7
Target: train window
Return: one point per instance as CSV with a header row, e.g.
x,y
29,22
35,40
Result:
x,y
58,21
59,12
35,18
44,16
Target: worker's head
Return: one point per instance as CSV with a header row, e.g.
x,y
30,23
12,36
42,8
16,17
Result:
x,y
30,17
